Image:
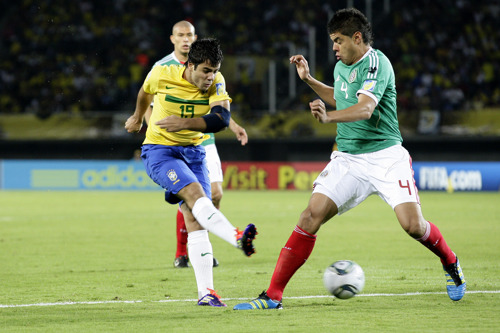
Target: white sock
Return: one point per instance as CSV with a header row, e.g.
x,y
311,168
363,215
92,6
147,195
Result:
x,y
202,260
213,220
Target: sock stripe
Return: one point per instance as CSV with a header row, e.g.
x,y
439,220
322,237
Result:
x,y
427,232
303,232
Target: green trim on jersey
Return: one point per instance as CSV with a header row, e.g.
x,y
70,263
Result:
x,y
373,76
210,140
185,101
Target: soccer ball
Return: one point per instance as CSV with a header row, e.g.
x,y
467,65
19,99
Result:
x,y
344,279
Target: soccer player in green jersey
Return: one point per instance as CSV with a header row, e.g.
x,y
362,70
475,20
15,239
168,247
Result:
x,y
189,100
370,158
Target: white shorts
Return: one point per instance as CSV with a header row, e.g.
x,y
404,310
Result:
x,y
213,164
349,179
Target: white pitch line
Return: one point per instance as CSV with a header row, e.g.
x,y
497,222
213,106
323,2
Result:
x,y
235,299
64,303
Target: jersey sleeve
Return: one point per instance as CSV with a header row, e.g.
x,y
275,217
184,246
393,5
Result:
x,y
218,90
151,82
376,77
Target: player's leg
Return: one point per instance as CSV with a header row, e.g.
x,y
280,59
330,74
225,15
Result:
x,y
295,252
158,160
182,172
181,254
406,204
301,242
410,217
211,219
215,174
217,193
201,255
428,234
322,206
175,175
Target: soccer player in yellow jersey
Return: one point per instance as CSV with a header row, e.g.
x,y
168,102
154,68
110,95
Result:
x,y
189,100
183,35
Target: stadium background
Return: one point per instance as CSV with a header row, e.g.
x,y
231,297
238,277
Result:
x,y
69,75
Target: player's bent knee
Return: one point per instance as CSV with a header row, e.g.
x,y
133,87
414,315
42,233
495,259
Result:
x,y
191,193
309,221
217,193
414,228
216,198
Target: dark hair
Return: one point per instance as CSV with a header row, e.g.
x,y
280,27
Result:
x,y
348,21
205,49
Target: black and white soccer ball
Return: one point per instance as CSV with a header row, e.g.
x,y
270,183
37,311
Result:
x,y
344,279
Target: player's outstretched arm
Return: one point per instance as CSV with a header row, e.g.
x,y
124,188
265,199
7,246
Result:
x,y
134,122
239,131
324,92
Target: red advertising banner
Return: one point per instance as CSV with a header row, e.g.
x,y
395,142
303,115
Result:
x,y
270,175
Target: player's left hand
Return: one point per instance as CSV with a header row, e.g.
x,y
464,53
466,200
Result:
x,y
240,133
171,124
318,110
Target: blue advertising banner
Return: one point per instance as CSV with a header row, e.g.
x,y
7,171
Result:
x,y
457,176
74,175
130,175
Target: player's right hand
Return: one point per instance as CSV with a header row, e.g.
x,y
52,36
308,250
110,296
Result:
x,y
133,125
301,65
318,110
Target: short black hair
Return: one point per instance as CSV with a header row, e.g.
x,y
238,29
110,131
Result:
x,y
205,49
348,21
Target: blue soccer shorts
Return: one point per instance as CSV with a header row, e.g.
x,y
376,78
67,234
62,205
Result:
x,y
175,167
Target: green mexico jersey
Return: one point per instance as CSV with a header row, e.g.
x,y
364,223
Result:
x,y
167,60
210,140
373,76
171,59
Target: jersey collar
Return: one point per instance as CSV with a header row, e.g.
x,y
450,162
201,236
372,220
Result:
x,y
364,55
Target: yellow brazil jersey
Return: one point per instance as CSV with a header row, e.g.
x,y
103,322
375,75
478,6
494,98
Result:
x,y
176,96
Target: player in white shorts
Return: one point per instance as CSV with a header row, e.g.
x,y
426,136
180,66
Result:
x,y
369,160
349,179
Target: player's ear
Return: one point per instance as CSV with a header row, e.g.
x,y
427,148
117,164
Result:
x,y
172,39
195,38
357,37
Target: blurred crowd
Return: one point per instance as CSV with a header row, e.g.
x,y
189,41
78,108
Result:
x,y
90,55
446,54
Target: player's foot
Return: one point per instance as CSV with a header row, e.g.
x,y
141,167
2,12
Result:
x,y
181,262
211,299
245,239
455,281
263,302
216,262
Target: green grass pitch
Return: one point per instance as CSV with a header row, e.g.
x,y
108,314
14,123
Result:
x,y
102,261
